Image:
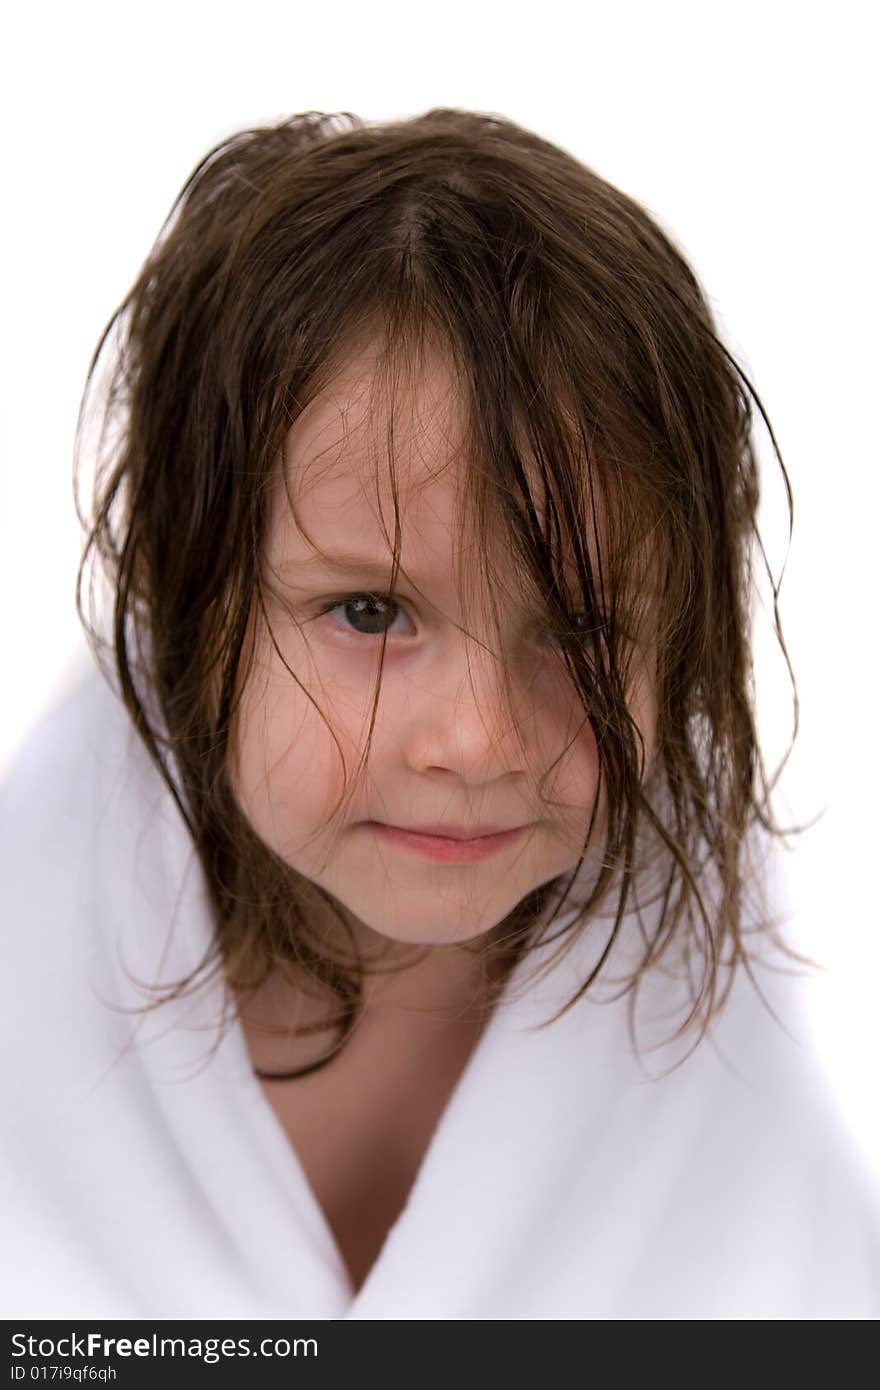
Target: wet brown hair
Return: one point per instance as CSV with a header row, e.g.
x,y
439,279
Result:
x,y
591,374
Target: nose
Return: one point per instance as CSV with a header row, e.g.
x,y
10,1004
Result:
x,y
462,718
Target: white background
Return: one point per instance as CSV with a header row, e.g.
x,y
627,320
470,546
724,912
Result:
x,y
747,130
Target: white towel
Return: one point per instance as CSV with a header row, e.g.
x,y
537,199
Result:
x,y
561,1183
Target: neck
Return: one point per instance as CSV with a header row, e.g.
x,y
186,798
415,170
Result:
x,y
418,997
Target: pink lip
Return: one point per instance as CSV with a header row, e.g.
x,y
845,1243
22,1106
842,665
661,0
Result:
x,y
454,846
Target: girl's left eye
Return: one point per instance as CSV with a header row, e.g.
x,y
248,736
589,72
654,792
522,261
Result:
x,y
369,615
585,629
374,615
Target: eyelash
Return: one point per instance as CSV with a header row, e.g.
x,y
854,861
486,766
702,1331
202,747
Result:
x,y
375,599
350,599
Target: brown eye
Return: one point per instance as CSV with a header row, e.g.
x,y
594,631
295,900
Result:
x,y
369,615
584,628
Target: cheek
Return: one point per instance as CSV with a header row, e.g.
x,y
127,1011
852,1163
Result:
x,y
568,747
288,768
565,746
572,783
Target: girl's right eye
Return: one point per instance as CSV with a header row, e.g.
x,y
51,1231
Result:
x,y
368,615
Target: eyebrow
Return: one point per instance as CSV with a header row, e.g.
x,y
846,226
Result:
x,y
350,563
342,562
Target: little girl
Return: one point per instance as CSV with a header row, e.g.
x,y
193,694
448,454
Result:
x,y
391,913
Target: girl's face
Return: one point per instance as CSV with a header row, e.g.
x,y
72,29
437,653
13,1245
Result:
x,y
450,749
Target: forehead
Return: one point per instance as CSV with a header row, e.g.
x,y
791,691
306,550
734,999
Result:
x,y
356,460
353,460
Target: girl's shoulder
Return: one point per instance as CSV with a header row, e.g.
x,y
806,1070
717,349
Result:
x,y
66,751
81,773
89,833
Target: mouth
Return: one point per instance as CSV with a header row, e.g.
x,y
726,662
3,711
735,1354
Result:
x,y
454,845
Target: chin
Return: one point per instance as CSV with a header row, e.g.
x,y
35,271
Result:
x,y
407,922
